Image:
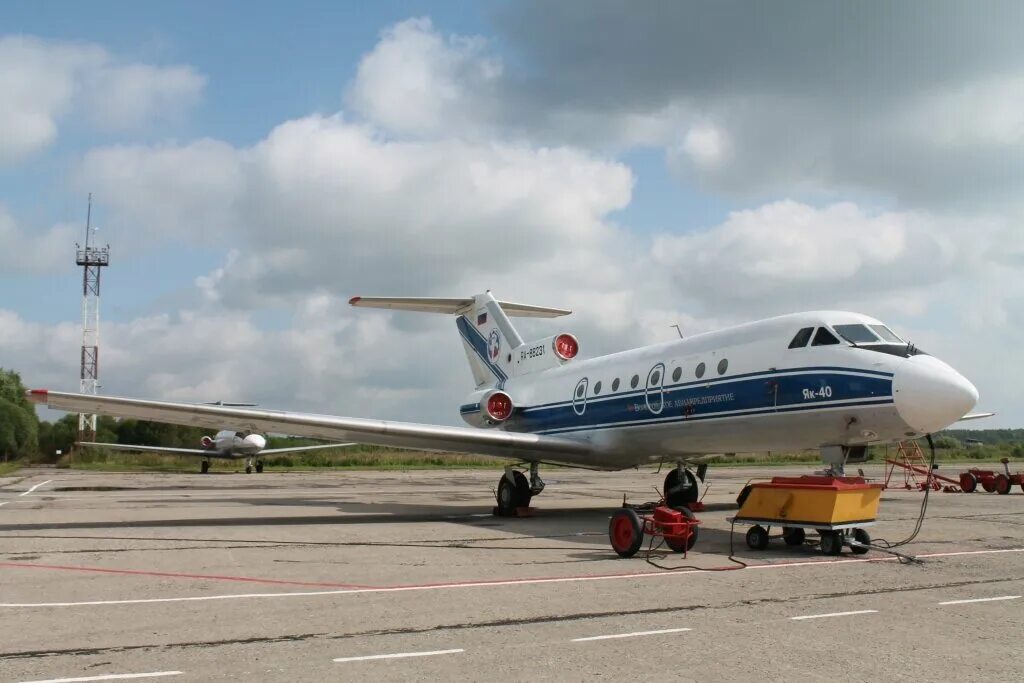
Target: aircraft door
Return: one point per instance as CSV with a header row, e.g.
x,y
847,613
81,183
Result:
x,y
579,396
655,389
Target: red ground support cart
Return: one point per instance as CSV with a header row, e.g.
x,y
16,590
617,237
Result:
x,y
627,529
1000,482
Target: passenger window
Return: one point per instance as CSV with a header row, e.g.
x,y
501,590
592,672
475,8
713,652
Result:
x,y
801,338
633,382
723,365
615,384
700,370
676,374
824,338
597,389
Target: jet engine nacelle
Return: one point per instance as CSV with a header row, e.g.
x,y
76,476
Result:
x,y
207,441
546,353
488,408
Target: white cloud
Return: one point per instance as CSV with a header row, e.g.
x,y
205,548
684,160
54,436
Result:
x,y
43,81
34,251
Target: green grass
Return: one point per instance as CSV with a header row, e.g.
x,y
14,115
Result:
x,y
10,466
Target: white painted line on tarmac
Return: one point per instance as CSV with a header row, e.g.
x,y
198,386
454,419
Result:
x,y
629,635
35,487
110,677
996,599
834,614
399,655
486,584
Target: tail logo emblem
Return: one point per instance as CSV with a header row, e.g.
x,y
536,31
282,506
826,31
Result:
x,y
494,345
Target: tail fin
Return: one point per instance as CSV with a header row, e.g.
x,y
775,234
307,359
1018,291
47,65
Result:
x,y
488,335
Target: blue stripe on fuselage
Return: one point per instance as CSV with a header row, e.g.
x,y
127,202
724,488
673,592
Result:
x,y
741,396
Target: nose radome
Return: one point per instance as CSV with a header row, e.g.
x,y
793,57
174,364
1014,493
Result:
x,y
256,440
930,395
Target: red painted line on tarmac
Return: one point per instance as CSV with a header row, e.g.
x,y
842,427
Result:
x,y
180,575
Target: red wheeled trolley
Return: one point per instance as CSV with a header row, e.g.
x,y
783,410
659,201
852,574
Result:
x,y
627,529
1000,482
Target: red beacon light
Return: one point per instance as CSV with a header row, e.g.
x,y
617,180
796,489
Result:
x,y
499,406
566,346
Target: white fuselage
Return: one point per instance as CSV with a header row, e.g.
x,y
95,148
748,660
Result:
x,y
740,389
230,444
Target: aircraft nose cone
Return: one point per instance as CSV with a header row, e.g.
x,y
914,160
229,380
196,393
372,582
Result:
x,y
930,395
256,441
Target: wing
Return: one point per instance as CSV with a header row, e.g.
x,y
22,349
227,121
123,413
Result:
x,y
495,442
151,449
295,449
975,416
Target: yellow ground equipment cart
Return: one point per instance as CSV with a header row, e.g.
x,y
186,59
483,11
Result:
x,y
836,507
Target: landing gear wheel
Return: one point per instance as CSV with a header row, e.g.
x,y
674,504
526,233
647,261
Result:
x,y
248,469
757,537
677,544
204,468
968,482
676,496
863,538
1002,484
793,535
259,467
831,542
512,496
626,532
742,498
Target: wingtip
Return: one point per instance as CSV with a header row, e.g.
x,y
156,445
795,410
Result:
x,y
37,395
354,300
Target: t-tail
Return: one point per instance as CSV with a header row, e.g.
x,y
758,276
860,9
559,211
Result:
x,y
493,347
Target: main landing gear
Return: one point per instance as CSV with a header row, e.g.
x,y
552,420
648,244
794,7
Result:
x,y
204,466
249,466
681,490
515,491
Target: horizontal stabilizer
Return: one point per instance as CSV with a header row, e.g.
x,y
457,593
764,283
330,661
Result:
x,y
452,306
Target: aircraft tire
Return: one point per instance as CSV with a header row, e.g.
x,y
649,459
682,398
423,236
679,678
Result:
x,y
681,498
248,469
512,496
204,468
259,467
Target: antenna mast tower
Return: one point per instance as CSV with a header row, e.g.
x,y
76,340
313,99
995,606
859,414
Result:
x,y
92,259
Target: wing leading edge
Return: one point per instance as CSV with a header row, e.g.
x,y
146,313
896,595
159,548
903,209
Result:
x,y
199,452
497,443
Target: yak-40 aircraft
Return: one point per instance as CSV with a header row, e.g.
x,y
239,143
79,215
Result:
x,y
226,444
826,380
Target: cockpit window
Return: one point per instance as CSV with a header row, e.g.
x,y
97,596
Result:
x,y
886,334
856,334
801,338
824,338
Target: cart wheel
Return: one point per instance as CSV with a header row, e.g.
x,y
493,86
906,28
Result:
x,y
968,482
988,484
757,537
626,532
793,535
863,537
676,544
742,498
831,542
1002,484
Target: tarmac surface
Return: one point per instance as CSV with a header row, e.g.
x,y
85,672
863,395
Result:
x,y
407,576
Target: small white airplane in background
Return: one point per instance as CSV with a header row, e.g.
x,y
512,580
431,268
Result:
x,y
828,380
225,444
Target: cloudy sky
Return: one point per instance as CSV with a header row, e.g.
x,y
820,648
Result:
x,y
254,165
